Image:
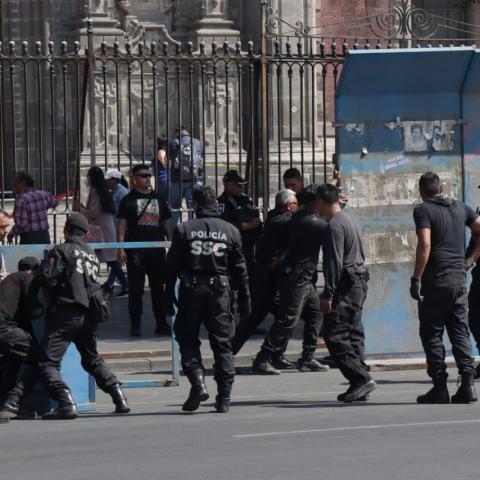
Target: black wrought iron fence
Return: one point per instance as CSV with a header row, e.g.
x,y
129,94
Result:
x,y
260,110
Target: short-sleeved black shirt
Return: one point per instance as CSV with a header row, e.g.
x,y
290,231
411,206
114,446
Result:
x,y
446,218
144,214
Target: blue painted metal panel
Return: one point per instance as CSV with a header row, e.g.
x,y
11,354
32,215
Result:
x,y
399,115
420,83
471,136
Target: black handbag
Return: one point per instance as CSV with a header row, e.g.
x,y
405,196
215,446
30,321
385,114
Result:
x,y
99,306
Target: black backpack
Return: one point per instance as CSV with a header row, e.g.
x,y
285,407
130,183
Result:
x,y
187,157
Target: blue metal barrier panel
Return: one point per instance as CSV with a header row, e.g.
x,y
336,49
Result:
x,y
399,114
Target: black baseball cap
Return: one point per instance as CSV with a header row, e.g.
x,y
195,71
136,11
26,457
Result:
x,y
77,220
234,176
28,263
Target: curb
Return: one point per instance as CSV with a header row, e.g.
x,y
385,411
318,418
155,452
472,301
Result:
x,y
149,361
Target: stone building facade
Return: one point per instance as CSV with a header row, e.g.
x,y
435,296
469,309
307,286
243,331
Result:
x,y
218,108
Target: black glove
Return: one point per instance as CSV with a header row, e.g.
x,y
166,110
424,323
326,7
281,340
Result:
x,y
244,306
415,289
469,262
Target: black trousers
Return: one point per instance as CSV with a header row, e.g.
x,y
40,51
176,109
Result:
x,y
474,306
69,325
265,288
209,305
445,307
18,370
148,262
344,334
297,297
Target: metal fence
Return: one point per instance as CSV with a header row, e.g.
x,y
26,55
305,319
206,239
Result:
x,y
258,109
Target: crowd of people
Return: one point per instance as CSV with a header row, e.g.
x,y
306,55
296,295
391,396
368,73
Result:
x,y
233,270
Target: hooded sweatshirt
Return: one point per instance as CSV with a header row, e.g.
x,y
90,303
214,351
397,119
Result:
x,y
447,219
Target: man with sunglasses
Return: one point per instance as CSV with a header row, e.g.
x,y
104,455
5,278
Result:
x,y
144,216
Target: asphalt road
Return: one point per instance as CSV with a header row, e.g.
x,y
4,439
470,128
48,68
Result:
x,y
287,427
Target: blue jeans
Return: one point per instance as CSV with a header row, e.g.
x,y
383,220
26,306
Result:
x,y
178,192
162,186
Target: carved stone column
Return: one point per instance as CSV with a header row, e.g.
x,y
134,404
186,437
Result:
x,y
203,20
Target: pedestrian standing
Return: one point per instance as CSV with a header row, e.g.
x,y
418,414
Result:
x,y
206,254
72,266
161,167
117,185
30,213
346,278
439,286
100,211
186,170
144,216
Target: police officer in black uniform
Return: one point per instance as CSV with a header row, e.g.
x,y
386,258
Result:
x,y
439,286
72,266
237,208
18,301
473,253
206,254
268,255
342,300
297,294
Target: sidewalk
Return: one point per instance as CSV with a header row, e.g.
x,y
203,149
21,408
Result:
x,y
152,353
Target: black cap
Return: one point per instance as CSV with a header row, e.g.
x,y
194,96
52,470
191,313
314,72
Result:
x,y
234,176
28,263
77,220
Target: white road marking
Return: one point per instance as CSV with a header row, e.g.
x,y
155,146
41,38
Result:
x,y
361,427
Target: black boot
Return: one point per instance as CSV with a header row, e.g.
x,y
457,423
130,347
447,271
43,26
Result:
x,y
307,363
477,372
341,396
262,365
222,400
9,410
358,392
198,392
119,399
437,394
66,409
281,363
466,391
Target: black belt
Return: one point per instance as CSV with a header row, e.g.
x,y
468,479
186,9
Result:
x,y
210,280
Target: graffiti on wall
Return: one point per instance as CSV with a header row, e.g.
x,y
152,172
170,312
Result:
x,y
381,164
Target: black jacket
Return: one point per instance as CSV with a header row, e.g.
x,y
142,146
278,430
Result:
x,y
238,210
306,236
274,242
18,299
207,246
68,264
